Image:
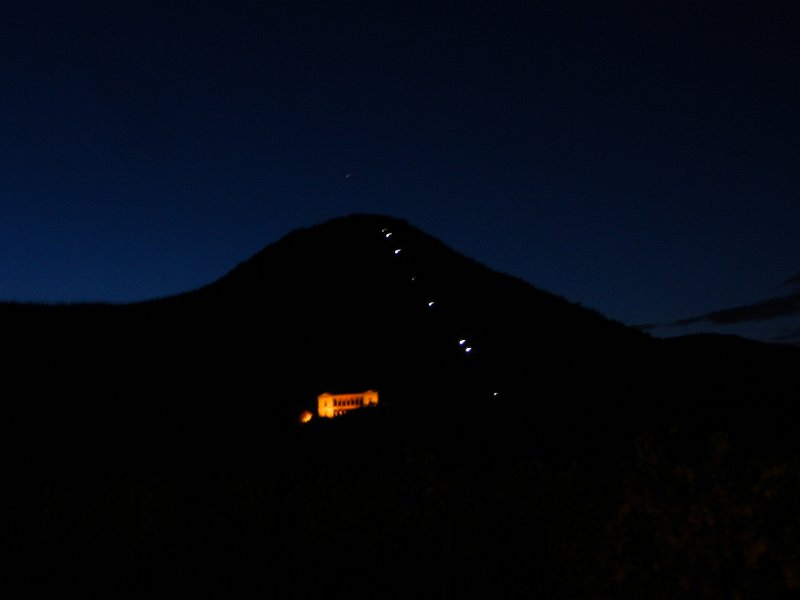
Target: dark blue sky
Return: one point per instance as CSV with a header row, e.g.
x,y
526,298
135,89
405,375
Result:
x,y
640,158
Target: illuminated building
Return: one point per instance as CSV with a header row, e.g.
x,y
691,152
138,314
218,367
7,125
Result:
x,y
333,405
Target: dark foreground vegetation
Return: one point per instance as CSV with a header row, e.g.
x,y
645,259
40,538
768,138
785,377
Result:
x,y
360,508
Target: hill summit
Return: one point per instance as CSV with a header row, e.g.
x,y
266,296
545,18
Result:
x,y
370,301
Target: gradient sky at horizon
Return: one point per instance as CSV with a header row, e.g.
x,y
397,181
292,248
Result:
x,y
638,158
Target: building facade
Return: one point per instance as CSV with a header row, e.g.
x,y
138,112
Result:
x,y
333,405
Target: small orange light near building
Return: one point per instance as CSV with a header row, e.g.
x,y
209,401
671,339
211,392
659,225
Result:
x,y
306,416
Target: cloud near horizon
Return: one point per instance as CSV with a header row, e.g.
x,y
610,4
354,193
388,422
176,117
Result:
x,y
789,337
773,308
792,281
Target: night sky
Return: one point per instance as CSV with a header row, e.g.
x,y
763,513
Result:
x,y
639,158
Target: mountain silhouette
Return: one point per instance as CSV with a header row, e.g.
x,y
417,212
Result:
x,y
368,302
523,445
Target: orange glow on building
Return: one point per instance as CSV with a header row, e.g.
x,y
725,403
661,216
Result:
x,y
306,416
333,405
